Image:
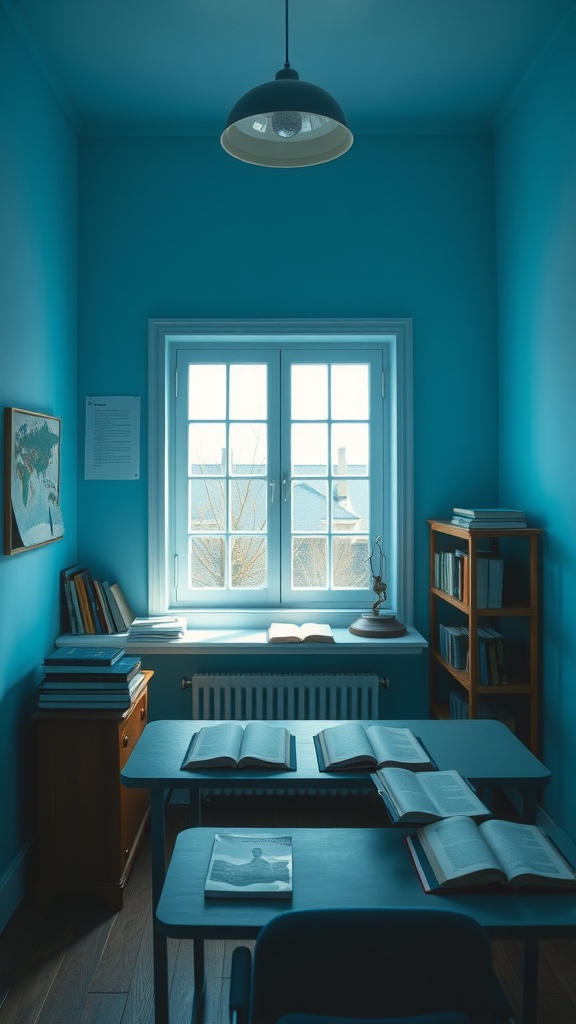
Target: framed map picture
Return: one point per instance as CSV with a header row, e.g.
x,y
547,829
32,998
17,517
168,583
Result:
x,y
32,513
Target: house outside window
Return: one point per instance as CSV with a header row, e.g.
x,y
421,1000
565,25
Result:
x,y
279,452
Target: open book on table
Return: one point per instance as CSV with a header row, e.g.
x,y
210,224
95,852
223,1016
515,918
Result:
x,y
458,853
353,745
418,797
309,632
249,865
232,745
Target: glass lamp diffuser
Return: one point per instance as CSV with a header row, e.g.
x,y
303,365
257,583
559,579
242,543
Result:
x,y
286,123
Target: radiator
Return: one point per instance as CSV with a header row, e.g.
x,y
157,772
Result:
x,y
280,696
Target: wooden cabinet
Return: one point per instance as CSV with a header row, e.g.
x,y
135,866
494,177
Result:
x,y
515,697
89,824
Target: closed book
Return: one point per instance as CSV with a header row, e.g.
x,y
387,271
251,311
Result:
x,y
489,513
123,669
84,656
249,865
70,609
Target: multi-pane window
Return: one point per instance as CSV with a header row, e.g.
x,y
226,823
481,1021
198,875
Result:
x,y
280,470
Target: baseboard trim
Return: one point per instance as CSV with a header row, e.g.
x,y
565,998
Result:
x,y
14,884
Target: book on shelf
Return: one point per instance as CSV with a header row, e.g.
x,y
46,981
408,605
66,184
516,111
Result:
x,y
232,745
91,696
308,632
124,669
250,865
120,625
459,853
489,513
83,656
413,798
488,524
489,580
124,612
71,616
353,745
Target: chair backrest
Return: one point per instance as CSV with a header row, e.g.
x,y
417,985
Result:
x,y
371,963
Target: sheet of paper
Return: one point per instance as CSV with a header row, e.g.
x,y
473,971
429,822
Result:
x,y
112,445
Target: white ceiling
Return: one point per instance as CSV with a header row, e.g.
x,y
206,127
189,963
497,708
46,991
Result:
x,y
179,65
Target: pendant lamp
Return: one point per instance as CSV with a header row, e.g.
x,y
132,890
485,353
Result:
x,y
286,123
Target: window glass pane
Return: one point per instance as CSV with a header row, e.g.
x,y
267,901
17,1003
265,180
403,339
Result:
x,y
207,449
206,563
350,566
309,390
350,506
309,506
248,449
248,563
207,392
350,454
248,391
206,506
349,396
248,505
309,448
309,563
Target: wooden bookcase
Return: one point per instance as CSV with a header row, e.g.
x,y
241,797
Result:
x,y
89,824
516,620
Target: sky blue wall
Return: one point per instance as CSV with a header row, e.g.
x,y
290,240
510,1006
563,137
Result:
x,y
38,339
401,226
536,175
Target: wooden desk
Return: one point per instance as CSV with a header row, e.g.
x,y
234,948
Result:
x,y
484,751
351,868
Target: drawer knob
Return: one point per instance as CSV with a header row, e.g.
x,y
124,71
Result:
x,y
125,742
142,714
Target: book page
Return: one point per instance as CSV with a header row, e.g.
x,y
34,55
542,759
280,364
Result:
x,y
342,742
396,744
215,741
443,794
284,632
316,631
455,848
525,850
265,742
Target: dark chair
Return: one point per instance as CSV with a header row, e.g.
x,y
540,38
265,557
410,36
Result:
x,y
368,966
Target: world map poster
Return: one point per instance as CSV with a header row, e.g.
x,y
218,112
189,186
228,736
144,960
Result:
x,y
32,514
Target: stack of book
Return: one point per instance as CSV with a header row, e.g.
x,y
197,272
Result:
x,y
90,678
160,627
453,645
488,518
92,606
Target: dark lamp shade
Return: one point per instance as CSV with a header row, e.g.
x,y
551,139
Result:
x,y
286,123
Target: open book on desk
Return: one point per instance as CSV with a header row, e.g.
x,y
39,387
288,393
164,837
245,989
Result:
x,y
353,745
457,853
418,797
232,745
309,632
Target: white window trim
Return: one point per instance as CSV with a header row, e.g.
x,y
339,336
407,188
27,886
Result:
x,y
401,421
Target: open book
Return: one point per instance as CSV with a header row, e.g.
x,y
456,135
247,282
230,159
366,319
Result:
x,y
309,632
250,865
457,853
353,745
232,745
417,797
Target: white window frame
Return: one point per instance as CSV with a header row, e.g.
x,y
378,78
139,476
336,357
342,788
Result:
x,y
393,335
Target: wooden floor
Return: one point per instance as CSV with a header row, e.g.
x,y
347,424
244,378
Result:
x,y
77,962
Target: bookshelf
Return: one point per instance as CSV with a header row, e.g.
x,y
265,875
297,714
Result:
x,y
508,691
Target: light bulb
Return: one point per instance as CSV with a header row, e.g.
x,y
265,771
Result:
x,y
286,123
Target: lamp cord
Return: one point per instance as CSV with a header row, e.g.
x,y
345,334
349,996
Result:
x,y
287,61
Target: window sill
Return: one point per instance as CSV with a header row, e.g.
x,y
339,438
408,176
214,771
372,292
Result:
x,y
204,641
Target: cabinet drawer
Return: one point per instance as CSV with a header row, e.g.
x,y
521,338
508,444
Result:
x,y
131,728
